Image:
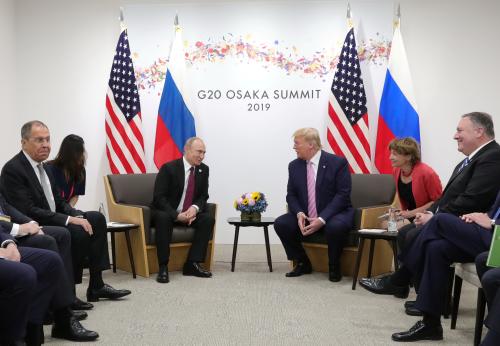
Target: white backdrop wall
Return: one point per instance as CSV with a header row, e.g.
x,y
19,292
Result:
x,y
59,53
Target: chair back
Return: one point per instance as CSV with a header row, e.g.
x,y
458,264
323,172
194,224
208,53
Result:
x,y
134,189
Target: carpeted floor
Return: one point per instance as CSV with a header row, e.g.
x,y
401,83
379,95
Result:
x,y
252,306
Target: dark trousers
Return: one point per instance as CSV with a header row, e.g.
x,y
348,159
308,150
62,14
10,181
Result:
x,y
26,289
406,236
490,280
94,246
287,229
57,239
164,226
445,239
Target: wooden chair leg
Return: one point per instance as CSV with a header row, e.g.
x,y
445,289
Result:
x,y
457,290
481,306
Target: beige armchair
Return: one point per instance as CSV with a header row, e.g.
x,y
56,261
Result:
x,y
129,197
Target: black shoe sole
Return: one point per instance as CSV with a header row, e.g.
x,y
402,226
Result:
x,y
431,337
94,299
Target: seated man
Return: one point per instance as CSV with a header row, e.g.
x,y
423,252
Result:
x,y
180,196
29,234
29,282
444,239
28,187
319,200
490,280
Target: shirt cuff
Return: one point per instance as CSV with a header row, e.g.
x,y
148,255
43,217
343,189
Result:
x,y
300,212
6,243
321,219
67,221
15,229
196,207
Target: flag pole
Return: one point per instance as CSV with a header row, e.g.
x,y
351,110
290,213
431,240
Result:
x,y
122,21
349,16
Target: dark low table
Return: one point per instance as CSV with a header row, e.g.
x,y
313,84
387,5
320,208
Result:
x,y
264,222
115,227
391,237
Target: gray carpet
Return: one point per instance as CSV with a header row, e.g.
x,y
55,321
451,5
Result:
x,y
252,306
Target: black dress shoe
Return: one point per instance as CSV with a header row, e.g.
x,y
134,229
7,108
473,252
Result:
x,y
73,330
410,303
413,311
79,304
194,269
162,275
383,286
335,273
79,315
300,269
420,331
106,292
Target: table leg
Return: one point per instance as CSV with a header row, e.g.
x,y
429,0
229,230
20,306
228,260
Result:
x,y
113,255
395,251
268,249
370,259
130,254
358,261
235,246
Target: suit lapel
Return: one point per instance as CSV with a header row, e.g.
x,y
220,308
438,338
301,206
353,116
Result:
x,y
31,173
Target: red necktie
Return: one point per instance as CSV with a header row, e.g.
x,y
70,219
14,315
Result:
x,y
188,199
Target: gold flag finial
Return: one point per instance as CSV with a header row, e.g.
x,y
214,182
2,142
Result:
x,y
397,19
349,15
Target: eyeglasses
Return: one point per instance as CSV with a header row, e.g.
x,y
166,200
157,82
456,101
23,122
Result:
x,y
40,140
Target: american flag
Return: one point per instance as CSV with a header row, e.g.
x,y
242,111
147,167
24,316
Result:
x,y
124,141
347,124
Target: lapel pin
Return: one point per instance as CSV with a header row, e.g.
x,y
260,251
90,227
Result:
x,y
324,166
199,170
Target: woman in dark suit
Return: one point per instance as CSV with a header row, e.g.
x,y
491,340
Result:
x,y
417,184
68,168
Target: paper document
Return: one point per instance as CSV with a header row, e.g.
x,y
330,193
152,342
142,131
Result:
x,y
494,255
372,230
119,224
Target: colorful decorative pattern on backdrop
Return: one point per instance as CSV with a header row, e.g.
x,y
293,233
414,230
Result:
x,y
269,55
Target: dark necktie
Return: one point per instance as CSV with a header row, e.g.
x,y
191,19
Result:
x,y
464,164
188,199
497,214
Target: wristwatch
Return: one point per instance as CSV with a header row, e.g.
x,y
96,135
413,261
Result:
x,y
7,242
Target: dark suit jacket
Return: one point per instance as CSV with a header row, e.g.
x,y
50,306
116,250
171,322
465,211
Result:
x,y
475,187
333,188
169,185
21,187
15,215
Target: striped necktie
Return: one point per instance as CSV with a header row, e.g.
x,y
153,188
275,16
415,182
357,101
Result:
x,y
464,164
311,191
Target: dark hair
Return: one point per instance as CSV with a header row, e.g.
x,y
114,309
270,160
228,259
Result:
x,y
26,129
484,120
71,158
406,146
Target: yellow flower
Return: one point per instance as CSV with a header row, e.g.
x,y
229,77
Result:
x,y
235,204
255,196
245,201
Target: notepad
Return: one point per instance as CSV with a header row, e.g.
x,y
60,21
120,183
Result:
x,y
119,224
494,255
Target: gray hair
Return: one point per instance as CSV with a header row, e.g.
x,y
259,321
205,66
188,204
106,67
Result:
x,y
190,142
26,129
483,120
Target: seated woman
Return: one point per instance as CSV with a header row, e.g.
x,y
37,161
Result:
x,y
417,184
68,168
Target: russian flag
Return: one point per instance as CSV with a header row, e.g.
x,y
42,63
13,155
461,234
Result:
x,y
175,122
398,115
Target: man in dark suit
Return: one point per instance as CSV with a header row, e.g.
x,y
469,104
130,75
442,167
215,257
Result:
x,y
30,188
319,200
474,182
444,239
490,280
29,282
180,197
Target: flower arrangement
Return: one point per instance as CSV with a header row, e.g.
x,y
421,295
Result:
x,y
251,202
